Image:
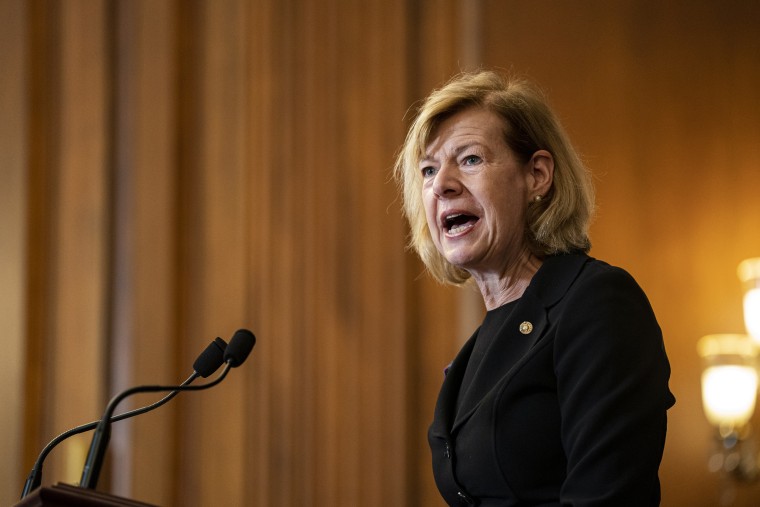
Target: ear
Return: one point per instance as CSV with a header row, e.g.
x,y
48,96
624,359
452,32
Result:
x,y
541,167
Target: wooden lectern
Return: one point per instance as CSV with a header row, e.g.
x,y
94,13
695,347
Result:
x,y
66,495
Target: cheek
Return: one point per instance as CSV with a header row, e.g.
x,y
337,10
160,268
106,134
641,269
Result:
x,y
507,214
429,205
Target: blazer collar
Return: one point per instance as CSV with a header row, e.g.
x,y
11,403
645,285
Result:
x,y
548,286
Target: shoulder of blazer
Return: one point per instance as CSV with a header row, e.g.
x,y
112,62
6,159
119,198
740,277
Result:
x,y
554,278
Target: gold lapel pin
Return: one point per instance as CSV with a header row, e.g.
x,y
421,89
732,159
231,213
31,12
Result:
x,y
526,327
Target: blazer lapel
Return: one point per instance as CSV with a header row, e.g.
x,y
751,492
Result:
x,y
526,326
445,407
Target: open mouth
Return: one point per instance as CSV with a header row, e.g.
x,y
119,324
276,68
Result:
x,y
457,223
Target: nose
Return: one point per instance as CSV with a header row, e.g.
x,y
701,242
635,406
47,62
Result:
x,y
447,182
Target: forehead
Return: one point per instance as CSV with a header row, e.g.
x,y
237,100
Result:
x,y
473,125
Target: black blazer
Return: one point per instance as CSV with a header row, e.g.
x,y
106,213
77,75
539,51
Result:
x,y
580,419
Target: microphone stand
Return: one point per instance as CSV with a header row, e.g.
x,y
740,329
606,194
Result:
x,y
205,364
35,476
102,436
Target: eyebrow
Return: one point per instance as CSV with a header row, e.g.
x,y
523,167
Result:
x,y
456,152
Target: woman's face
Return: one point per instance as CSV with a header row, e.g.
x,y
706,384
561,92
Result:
x,y
476,192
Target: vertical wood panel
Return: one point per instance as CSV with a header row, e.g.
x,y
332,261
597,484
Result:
x,y
376,246
213,252
41,183
284,184
68,219
13,159
145,338
266,81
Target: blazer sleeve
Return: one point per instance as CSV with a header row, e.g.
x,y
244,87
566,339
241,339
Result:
x,y
612,380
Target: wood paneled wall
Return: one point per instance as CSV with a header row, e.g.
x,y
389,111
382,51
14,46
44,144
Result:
x,y
174,170
196,167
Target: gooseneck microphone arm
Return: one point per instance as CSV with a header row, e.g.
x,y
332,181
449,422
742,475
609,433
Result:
x,y
236,352
206,364
35,476
102,436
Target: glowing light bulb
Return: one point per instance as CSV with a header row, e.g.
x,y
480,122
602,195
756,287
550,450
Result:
x,y
729,379
728,394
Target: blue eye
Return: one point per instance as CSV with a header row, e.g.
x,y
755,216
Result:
x,y
428,171
471,160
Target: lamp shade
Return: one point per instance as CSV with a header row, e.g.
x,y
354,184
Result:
x,y
729,379
749,274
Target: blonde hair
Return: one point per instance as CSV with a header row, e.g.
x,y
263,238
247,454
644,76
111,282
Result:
x,y
558,223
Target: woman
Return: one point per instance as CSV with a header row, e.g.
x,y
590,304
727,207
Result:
x,y
560,396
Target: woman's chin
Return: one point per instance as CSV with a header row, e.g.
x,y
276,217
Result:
x,y
461,260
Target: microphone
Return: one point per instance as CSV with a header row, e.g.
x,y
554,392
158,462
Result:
x,y
240,346
235,354
206,363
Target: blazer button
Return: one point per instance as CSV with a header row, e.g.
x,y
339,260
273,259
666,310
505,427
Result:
x,y
447,451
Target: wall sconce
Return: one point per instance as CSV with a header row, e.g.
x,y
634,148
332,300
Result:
x,y
729,380
730,384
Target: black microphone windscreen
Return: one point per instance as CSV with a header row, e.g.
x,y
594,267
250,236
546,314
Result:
x,y
210,359
240,346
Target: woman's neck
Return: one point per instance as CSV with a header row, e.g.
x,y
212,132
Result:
x,y
500,288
